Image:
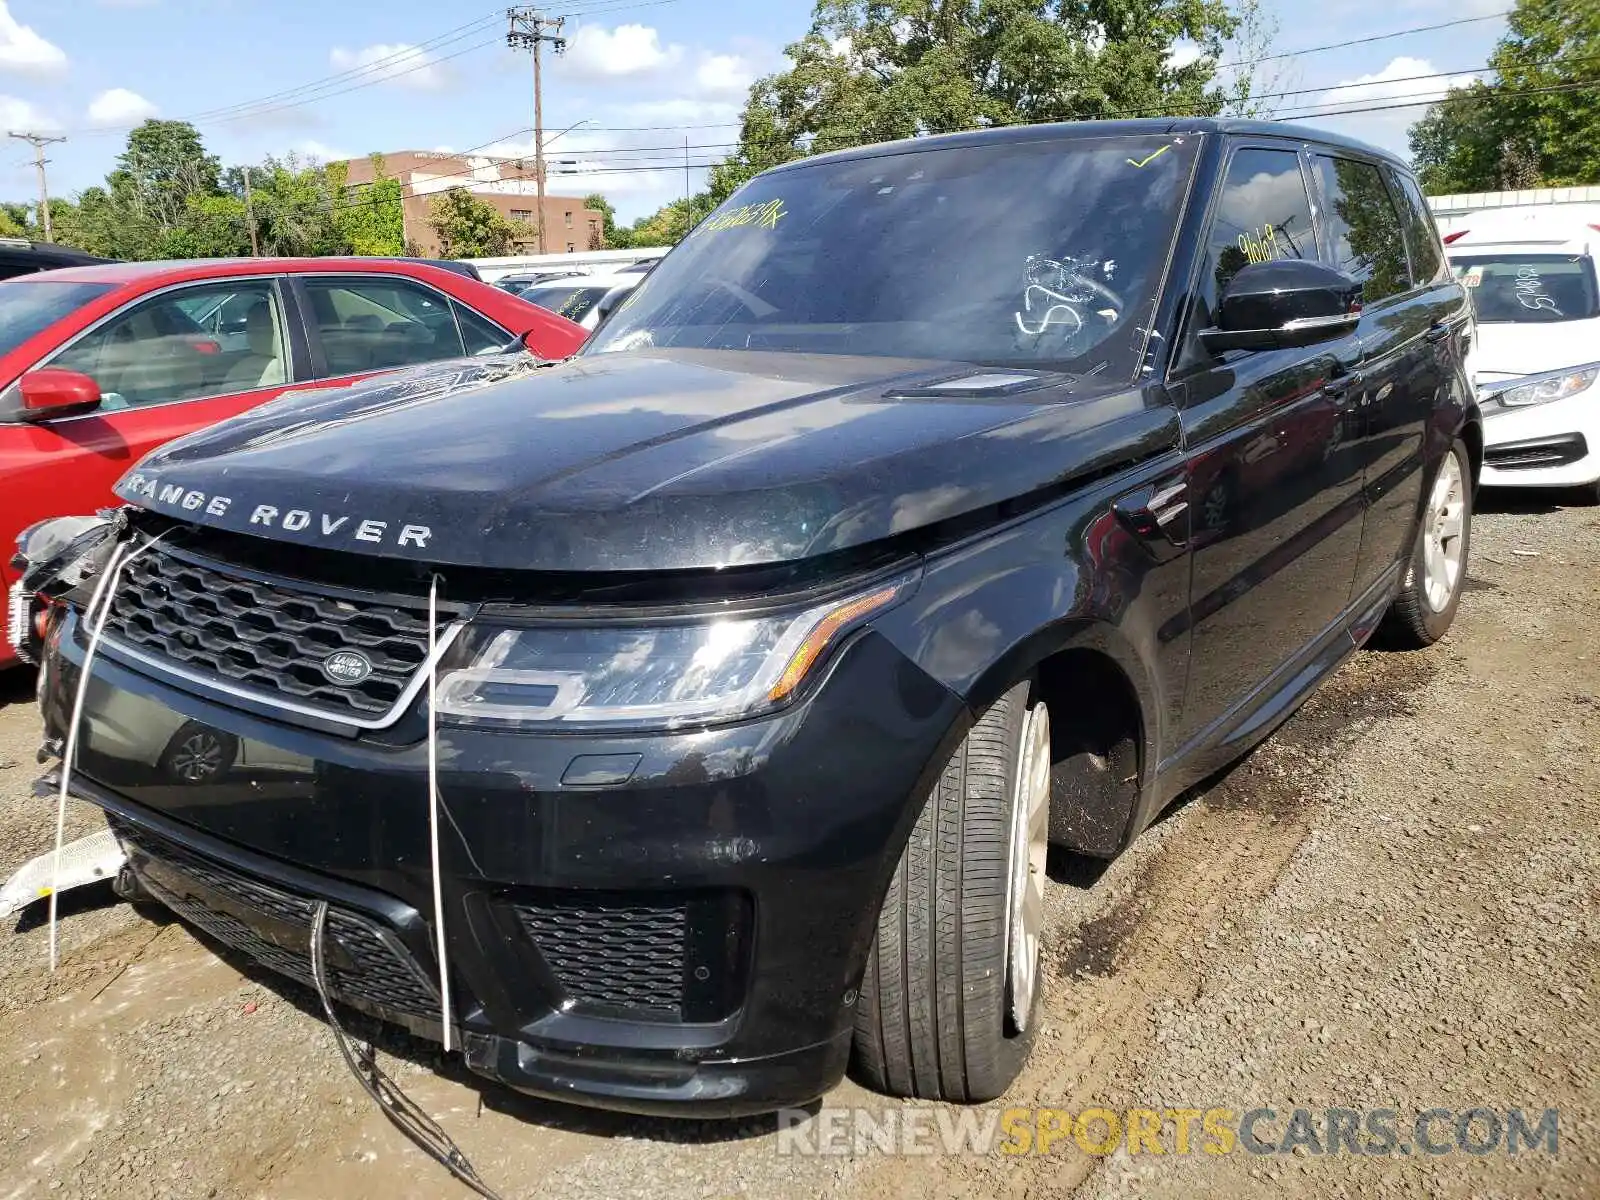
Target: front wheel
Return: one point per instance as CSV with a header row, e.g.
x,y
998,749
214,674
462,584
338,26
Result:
x,y
1423,611
948,1002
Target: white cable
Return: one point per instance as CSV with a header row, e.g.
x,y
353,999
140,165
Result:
x,y
94,617
433,811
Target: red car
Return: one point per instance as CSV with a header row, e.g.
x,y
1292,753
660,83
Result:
x,y
100,365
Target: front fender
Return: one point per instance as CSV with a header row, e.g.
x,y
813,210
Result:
x,y
1069,577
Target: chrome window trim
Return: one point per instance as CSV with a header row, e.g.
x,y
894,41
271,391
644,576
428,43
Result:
x,y
165,669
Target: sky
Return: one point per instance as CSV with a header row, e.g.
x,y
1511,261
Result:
x,y
638,80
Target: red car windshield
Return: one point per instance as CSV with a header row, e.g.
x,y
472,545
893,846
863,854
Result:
x,y
28,306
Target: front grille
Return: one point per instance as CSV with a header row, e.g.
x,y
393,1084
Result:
x,y
270,637
379,973
618,953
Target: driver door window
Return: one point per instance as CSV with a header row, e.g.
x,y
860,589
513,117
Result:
x,y
157,351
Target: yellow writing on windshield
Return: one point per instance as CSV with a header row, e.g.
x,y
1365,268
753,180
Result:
x,y
766,216
1261,245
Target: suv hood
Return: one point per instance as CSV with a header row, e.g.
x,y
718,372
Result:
x,y
640,461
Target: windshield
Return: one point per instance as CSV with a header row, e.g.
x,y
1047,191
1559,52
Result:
x,y
1016,254
573,303
1528,289
28,306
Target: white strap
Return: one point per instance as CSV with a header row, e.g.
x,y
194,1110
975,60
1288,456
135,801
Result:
x,y
94,620
433,813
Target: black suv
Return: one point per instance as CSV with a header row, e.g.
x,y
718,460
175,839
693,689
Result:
x,y
18,256
932,503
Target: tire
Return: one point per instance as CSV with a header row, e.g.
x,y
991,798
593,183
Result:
x,y
1426,606
197,755
948,1002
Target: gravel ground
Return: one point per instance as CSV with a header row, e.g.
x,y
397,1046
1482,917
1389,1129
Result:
x,y
1393,903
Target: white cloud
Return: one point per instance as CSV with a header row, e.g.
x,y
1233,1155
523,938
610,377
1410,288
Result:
x,y
25,117
724,75
24,51
120,108
321,151
1398,93
397,62
594,52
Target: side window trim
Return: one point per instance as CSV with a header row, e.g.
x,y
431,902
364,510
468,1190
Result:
x,y
274,282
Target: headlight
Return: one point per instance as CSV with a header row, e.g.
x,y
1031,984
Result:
x,y
661,673
57,555
1545,387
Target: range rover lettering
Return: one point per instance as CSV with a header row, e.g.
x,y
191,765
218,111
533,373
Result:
x,y
932,504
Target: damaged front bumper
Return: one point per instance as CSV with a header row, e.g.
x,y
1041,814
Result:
x,y
688,941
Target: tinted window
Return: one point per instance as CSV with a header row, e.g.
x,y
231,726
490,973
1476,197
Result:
x,y
1042,252
1529,288
30,306
1422,235
1263,213
372,326
1363,228
478,334
156,351
573,303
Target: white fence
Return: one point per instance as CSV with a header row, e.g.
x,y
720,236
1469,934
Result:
x,y
1578,203
593,261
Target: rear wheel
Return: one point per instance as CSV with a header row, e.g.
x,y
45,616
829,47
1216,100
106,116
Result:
x,y
1423,611
948,1002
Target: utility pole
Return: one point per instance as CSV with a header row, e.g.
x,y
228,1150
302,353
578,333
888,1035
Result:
x,y
39,141
250,215
688,216
529,29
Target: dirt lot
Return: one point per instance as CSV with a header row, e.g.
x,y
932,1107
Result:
x,y
1394,903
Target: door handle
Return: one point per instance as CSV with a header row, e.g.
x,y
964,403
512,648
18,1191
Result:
x,y
1437,332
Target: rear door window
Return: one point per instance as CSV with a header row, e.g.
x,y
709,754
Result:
x,y
1362,226
378,324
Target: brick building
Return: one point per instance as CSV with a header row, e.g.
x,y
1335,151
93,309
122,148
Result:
x,y
509,186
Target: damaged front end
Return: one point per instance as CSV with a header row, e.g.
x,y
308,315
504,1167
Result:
x,y
58,562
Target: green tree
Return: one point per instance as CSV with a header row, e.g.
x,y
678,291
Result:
x,y
164,164
369,218
294,208
469,228
873,70
1535,125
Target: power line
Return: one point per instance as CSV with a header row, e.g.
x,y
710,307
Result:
x,y
1377,37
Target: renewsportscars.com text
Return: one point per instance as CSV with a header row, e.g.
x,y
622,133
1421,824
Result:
x,y
1102,1131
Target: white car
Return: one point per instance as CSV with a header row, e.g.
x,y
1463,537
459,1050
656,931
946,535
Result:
x,y
587,300
1531,276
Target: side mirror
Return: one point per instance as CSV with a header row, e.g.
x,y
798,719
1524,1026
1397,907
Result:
x,y
55,392
1282,304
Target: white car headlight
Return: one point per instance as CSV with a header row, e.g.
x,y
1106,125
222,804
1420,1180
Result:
x,y
662,673
1543,387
